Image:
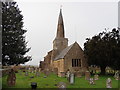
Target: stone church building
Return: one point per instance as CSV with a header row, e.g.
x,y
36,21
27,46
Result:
x,y
63,57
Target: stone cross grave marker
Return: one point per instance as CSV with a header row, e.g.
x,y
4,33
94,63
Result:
x,y
109,83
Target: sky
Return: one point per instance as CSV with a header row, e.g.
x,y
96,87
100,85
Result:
x,y
82,19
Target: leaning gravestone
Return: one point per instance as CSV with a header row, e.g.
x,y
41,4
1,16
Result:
x,y
91,81
96,77
61,86
11,79
108,83
87,75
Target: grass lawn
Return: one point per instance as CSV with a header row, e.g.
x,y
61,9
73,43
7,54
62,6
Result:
x,y
23,81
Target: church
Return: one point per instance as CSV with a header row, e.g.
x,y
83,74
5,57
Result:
x,y
63,57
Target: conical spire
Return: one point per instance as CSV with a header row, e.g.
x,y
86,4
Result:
x,y
60,27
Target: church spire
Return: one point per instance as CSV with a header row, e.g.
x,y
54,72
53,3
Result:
x,y
60,27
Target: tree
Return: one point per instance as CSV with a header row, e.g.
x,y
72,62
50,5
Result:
x,y
13,38
104,50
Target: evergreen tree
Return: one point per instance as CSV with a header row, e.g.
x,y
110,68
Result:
x,y
13,38
104,50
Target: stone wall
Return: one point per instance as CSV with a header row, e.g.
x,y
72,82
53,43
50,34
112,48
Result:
x,y
75,53
60,65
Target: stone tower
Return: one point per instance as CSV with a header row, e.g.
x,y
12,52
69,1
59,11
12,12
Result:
x,y
60,42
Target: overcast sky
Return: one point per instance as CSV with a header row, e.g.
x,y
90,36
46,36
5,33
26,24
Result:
x,y
81,20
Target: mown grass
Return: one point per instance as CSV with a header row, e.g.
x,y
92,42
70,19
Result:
x,y
23,81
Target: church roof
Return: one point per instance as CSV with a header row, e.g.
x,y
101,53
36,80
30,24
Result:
x,y
63,52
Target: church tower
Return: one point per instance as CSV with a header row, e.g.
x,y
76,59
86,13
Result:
x,y
60,42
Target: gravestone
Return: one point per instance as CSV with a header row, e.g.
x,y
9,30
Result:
x,y
72,78
61,86
45,77
32,70
109,83
47,72
78,74
11,79
116,76
87,75
37,73
29,69
39,69
91,81
68,75
96,77
32,77
26,73
35,70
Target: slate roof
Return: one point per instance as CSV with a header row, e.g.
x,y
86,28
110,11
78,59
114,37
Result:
x,y
63,52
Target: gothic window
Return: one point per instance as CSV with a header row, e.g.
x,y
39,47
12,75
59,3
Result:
x,y
76,62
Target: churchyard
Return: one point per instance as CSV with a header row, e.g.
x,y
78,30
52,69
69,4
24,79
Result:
x,y
24,78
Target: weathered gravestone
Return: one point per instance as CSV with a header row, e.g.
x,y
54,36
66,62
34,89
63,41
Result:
x,y
29,69
26,73
91,81
47,72
109,83
68,75
87,75
96,77
44,76
78,74
39,69
61,86
37,73
32,70
72,78
116,76
11,79
35,70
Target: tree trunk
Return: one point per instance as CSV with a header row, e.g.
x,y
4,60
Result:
x,y
102,70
